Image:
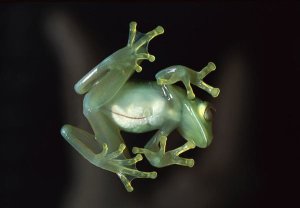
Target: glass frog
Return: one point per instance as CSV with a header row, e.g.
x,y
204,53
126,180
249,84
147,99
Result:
x,y
112,104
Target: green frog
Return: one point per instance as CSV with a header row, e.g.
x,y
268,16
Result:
x,y
113,104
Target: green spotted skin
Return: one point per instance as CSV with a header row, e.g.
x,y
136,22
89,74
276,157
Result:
x,y
113,104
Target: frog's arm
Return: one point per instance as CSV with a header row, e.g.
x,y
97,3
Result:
x,y
188,76
155,150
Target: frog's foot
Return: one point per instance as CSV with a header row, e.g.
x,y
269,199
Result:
x,y
162,158
174,74
188,76
201,84
124,168
139,43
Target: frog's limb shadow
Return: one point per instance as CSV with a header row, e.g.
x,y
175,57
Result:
x,y
188,76
155,151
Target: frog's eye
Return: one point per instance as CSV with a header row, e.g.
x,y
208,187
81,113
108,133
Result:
x,y
208,113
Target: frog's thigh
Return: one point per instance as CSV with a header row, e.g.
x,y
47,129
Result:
x,y
106,131
81,140
104,90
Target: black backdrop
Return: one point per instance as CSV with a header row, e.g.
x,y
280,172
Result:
x,y
46,48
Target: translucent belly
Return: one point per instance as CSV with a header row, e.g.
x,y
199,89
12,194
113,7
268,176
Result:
x,y
139,108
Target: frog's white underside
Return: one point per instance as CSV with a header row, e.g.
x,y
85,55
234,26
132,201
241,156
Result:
x,y
140,108
136,117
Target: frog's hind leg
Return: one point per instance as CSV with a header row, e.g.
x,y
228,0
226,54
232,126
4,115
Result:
x,y
106,131
82,141
117,159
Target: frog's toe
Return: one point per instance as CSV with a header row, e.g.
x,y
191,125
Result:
x,y
104,150
139,174
132,174
145,56
132,33
131,161
159,30
190,95
174,158
137,150
116,153
127,171
127,175
153,33
151,58
184,161
138,68
211,66
187,146
149,36
126,182
215,92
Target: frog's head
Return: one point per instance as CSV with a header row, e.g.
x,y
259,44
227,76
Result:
x,y
196,122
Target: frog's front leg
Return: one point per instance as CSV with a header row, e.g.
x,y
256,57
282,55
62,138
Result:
x,y
155,150
188,76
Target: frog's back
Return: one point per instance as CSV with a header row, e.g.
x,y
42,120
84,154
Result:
x,y
140,107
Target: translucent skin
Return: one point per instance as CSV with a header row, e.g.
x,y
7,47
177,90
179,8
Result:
x,y
112,104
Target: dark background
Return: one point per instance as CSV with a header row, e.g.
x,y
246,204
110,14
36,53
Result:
x,y
46,48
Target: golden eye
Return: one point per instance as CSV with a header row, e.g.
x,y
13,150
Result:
x,y
208,113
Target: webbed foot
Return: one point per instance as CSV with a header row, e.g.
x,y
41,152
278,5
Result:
x,y
139,43
162,158
124,168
